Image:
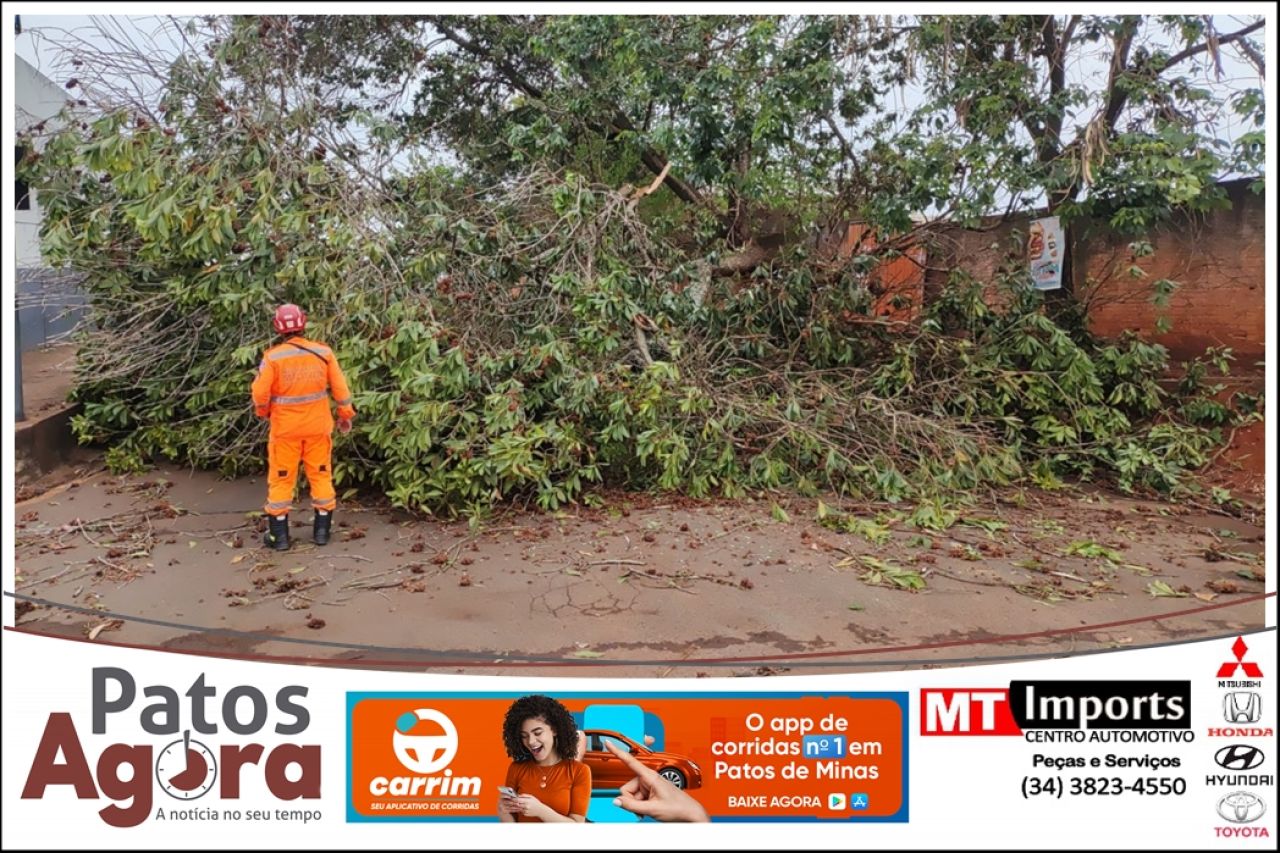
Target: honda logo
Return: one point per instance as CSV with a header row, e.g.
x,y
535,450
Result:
x,y
1242,707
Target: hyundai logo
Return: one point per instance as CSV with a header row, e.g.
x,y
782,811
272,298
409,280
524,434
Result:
x,y
1241,807
1239,756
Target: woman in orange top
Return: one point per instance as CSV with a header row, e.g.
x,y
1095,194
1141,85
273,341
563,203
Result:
x,y
551,786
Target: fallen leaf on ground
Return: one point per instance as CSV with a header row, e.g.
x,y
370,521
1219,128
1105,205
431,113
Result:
x,y
109,625
1160,589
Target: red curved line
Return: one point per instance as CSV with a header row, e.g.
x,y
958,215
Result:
x,y
1008,638
597,662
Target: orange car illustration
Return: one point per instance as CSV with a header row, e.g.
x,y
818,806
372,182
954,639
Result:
x,y
607,771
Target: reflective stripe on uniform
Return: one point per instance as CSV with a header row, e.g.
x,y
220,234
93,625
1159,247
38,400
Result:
x,y
292,351
270,505
345,402
305,398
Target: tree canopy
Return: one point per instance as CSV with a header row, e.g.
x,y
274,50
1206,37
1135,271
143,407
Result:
x,y
1084,113
558,250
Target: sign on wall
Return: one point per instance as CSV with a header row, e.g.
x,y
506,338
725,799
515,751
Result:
x,y
1045,248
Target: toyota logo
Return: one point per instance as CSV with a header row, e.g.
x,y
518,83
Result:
x,y
1239,756
1241,807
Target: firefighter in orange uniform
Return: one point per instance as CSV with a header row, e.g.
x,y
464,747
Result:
x,y
292,389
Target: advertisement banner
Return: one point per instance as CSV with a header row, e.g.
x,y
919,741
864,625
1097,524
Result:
x,y
403,451
753,756
1168,746
1046,247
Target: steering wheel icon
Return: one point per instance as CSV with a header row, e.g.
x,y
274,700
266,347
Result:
x,y
425,753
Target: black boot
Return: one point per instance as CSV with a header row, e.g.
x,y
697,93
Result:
x,y
277,535
320,528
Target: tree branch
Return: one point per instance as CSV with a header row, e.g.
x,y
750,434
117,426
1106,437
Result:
x,y
1057,80
1116,97
1124,40
1060,57
1048,135
1201,48
652,160
1254,57
844,143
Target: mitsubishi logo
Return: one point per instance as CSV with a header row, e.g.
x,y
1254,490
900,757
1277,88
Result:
x,y
1228,669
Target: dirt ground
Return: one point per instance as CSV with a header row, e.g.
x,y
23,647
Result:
x,y
48,375
647,586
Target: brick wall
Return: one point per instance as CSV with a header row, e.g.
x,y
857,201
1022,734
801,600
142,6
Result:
x,y
897,283
983,253
1219,261
1217,258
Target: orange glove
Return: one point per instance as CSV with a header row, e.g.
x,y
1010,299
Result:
x,y
344,425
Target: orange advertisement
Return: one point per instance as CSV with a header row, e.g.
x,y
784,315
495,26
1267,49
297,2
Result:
x,y
723,757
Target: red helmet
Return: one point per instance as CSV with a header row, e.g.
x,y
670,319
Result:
x,y
289,319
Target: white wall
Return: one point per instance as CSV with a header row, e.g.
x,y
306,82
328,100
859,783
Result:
x,y
38,99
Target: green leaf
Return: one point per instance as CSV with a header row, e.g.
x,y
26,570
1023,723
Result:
x,y
1160,589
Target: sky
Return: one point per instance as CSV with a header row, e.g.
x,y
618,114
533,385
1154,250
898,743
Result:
x,y
43,33
39,43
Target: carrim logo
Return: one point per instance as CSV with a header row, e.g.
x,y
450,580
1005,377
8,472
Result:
x,y
1241,807
425,754
1239,756
1242,707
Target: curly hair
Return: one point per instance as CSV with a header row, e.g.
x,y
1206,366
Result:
x,y
544,708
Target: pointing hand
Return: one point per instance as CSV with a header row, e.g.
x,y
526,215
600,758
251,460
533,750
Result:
x,y
649,795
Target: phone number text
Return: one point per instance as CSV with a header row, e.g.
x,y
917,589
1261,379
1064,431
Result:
x,y
1101,786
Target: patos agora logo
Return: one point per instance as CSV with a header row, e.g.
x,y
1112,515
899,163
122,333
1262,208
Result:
x,y
186,768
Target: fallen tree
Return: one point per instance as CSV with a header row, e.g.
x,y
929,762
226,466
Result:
x,y
528,334
536,339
